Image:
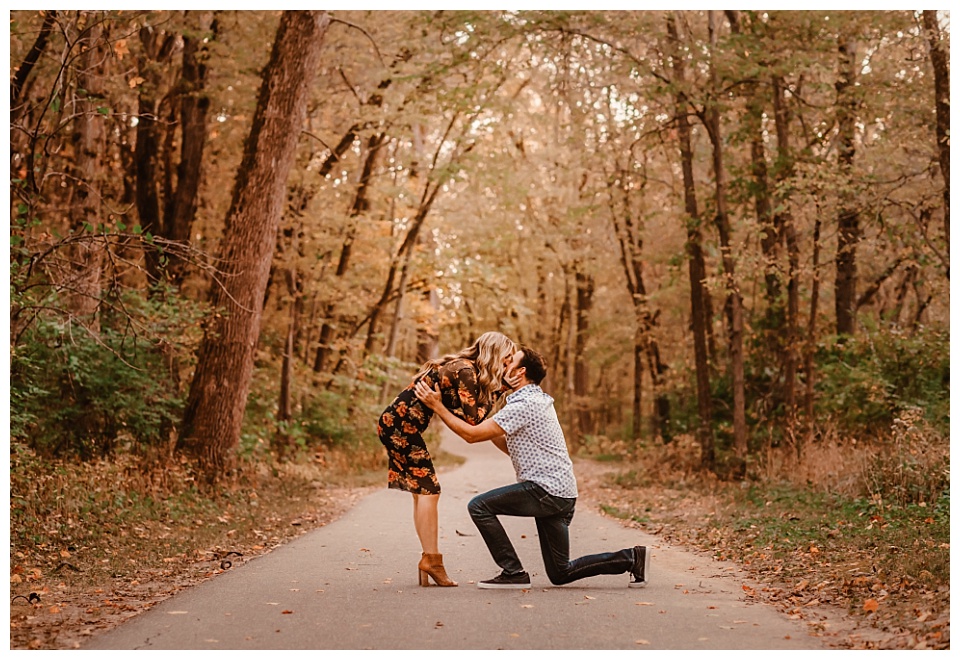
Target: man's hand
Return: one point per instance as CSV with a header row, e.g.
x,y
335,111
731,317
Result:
x,y
429,396
485,430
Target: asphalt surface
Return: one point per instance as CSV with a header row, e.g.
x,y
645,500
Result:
x,y
353,585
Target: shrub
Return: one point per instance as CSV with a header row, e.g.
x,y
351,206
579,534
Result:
x,y
84,393
913,466
868,381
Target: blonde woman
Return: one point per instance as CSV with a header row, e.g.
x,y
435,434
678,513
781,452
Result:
x,y
470,384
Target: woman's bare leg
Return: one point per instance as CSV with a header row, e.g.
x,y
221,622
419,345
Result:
x,y
425,519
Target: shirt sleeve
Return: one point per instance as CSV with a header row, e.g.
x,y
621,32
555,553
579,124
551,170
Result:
x,y
512,417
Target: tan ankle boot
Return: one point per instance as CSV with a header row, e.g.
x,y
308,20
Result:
x,y
432,565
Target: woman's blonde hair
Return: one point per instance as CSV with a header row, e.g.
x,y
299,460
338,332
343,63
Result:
x,y
488,353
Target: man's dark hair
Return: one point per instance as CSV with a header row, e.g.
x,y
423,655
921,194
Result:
x,y
534,363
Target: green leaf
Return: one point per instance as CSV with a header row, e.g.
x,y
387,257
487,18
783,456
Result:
x,y
137,229
103,110
121,226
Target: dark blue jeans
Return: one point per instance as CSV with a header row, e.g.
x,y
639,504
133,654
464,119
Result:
x,y
553,516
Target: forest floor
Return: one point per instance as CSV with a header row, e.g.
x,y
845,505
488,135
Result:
x,y
67,587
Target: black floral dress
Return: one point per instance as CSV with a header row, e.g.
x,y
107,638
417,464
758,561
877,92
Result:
x,y
402,424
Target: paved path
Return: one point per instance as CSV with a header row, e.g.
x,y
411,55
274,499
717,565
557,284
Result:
x,y
353,585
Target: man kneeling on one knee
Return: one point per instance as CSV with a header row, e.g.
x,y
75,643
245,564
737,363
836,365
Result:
x,y
527,429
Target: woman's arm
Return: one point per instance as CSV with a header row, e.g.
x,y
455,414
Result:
x,y
487,430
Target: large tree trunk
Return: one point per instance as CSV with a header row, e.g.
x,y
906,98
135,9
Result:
x,y
940,60
848,222
695,259
218,394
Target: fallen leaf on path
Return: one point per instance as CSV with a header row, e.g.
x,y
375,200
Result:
x,y
287,612
644,603
178,612
871,605
590,597
514,634
526,605
642,641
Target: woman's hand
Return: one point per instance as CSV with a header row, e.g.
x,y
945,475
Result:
x,y
429,396
513,380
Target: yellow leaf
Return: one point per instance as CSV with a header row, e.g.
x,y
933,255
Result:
x,y
871,605
15,579
135,82
814,550
54,609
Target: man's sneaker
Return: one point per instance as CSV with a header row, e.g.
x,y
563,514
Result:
x,y
641,566
504,581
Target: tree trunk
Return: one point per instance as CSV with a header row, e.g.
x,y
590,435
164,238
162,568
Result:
x,y
940,60
726,250
784,221
84,276
581,374
181,208
23,71
811,343
360,204
218,394
158,48
695,260
428,337
848,222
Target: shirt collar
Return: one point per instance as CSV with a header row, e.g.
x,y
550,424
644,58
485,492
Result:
x,y
530,388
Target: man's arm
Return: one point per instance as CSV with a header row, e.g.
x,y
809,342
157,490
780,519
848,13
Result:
x,y
501,443
486,430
